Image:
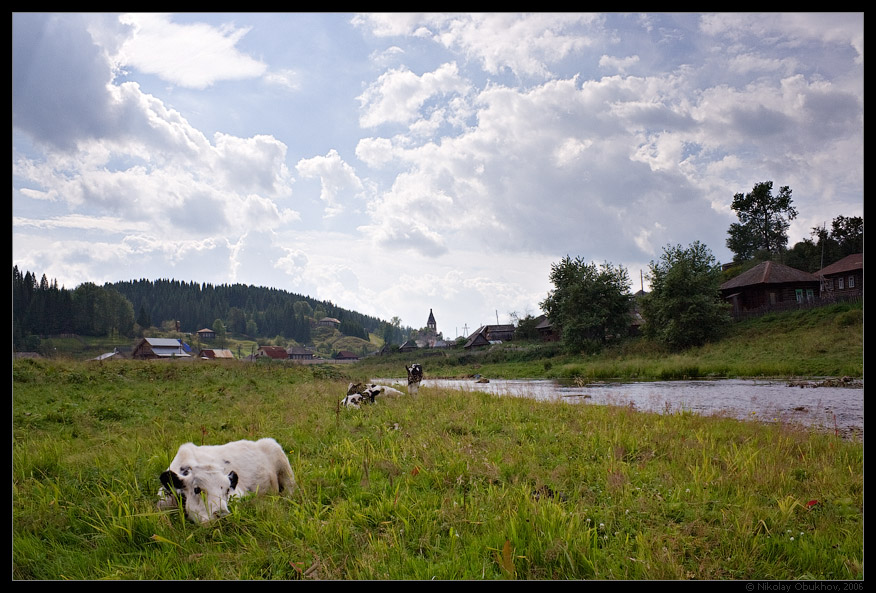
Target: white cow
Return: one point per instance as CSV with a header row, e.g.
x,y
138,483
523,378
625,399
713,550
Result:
x,y
204,478
415,376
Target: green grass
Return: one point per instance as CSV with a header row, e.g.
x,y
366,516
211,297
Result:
x,y
445,485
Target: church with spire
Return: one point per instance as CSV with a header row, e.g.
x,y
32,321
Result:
x,y
429,336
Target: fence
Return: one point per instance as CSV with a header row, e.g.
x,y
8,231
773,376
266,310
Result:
x,y
823,301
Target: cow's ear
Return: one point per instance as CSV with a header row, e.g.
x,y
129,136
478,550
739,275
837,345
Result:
x,y
233,478
170,481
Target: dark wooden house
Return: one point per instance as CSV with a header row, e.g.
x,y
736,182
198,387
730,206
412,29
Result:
x,y
152,348
545,330
299,353
770,285
206,334
408,346
843,279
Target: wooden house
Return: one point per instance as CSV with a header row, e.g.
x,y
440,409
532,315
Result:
x,y
346,355
217,353
272,352
843,279
408,346
153,348
770,285
329,322
545,329
206,334
490,334
299,353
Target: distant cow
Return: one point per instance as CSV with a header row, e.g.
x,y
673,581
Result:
x,y
367,393
203,479
415,376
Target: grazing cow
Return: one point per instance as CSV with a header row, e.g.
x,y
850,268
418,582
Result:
x,y
203,479
415,376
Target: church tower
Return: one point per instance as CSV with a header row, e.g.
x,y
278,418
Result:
x,y
431,323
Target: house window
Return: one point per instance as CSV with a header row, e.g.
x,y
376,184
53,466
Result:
x,y
799,292
840,281
851,281
772,298
810,296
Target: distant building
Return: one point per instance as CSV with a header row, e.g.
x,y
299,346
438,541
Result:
x,y
545,330
430,323
329,322
217,353
272,352
408,346
490,334
151,348
345,355
206,334
299,353
844,278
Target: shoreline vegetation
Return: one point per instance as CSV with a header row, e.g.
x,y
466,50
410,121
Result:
x,y
445,485
819,343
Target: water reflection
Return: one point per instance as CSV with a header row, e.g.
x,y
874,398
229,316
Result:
x,y
840,408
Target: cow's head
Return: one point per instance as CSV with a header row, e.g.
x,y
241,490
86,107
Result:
x,y
203,492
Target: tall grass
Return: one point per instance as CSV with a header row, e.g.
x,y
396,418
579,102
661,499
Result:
x,y
444,485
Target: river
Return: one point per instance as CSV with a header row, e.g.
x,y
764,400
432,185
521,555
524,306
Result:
x,y
832,408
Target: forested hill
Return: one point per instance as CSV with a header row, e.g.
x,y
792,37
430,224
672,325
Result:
x,y
275,312
40,307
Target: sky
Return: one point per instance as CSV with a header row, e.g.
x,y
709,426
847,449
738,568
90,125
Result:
x,y
395,164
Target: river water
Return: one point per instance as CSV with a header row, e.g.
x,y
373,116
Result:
x,y
832,408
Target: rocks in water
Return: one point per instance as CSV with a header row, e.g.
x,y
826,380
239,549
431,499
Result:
x,y
832,382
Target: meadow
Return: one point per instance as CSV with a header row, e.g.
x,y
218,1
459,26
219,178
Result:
x,y
444,485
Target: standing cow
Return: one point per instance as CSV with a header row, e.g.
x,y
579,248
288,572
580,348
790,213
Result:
x,y
203,479
415,376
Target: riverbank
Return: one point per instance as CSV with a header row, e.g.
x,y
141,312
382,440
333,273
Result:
x,y
813,343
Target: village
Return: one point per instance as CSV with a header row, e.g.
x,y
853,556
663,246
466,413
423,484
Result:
x,y
768,286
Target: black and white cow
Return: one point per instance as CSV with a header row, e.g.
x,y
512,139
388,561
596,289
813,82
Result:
x,y
366,393
204,478
415,376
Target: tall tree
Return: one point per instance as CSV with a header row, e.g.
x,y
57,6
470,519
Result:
x,y
848,232
589,303
684,307
763,221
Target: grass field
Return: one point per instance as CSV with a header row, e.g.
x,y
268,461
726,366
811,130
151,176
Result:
x,y
445,485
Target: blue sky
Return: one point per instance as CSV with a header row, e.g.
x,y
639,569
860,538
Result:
x,y
397,163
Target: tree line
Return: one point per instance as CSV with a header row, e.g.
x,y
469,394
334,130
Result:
x,y
42,308
591,305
